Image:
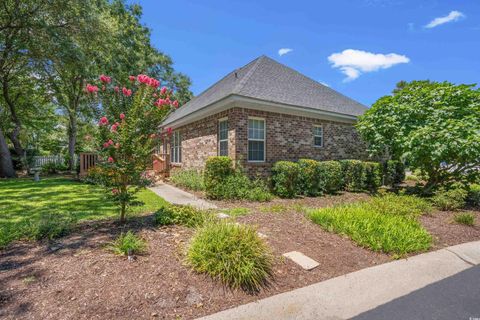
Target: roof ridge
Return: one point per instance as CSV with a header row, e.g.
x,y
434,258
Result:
x,y
247,76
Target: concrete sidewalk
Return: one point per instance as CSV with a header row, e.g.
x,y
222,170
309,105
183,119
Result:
x,y
177,196
352,294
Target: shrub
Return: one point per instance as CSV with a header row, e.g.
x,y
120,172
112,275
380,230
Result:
x,y
285,178
190,179
311,177
53,167
393,173
400,205
373,176
333,176
182,215
473,197
237,186
128,244
49,226
452,199
353,175
217,170
234,254
375,226
464,218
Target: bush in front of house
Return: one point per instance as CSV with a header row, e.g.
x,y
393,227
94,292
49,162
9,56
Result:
x,y
182,215
332,176
127,244
372,176
190,179
473,197
234,254
285,178
393,173
451,199
311,178
353,175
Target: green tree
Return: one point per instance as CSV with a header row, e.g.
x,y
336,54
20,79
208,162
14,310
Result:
x,y
434,127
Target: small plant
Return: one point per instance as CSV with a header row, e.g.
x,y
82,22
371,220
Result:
x,y
285,179
237,212
189,179
467,219
452,199
332,173
127,244
473,197
49,226
182,215
234,254
311,178
53,167
274,208
400,205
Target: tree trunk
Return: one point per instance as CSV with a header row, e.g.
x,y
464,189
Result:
x,y
6,165
123,210
72,141
17,146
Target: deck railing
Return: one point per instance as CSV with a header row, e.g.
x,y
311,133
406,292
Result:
x,y
87,161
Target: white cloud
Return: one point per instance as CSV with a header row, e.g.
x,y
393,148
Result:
x,y
284,51
452,16
355,62
325,84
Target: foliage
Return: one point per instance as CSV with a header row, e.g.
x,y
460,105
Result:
x,y
311,177
353,175
217,170
451,199
467,219
190,179
332,175
48,226
128,244
234,254
393,173
373,176
399,205
127,133
53,167
285,178
182,215
27,206
433,126
376,225
237,212
473,197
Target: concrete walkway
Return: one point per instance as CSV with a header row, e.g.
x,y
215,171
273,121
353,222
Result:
x,y
177,196
350,295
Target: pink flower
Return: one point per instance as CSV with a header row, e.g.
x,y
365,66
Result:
x,y
175,104
106,145
114,190
110,142
105,79
110,159
131,78
117,89
163,90
159,102
126,92
167,101
155,161
154,95
169,130
154,83
103,121
114,127
91,89
122,116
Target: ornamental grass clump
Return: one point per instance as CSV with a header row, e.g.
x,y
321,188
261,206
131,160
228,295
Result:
x,y
182,215
450,200
190,179
232,253
467,219
128,132
128,244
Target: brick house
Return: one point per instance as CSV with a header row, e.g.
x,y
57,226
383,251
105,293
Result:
x,y
261,113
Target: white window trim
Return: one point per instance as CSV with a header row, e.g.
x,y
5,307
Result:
x,y
264,140
176,136
315,136
218,136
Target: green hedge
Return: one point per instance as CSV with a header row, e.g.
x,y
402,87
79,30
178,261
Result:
x,y
393,173
373,176
311,178
285,179
332,175
217,170
353,175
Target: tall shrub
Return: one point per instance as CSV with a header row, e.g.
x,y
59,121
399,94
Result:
x,y
217,170
373,176
393,173
285,178
311,177
127,132
353,175
332,175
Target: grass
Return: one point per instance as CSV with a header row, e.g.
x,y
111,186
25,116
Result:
x,y
385,224
50,207
128,244
274,208
237,212
467,219
189,179
234,254
182,215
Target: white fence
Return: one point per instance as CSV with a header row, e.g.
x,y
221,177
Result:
x,y
39,161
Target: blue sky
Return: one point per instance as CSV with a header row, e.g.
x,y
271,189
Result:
x,y
361,48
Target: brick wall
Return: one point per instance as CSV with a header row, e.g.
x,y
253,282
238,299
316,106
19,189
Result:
x,y
287,138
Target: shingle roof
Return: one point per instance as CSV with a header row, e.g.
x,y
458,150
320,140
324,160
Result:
x,y
268,80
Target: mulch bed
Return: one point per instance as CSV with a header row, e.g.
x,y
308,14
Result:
x,y
76,277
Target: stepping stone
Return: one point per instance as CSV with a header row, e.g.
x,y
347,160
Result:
x,y
222,215
302,260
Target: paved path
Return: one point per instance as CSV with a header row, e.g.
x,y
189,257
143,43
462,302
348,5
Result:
x,y
356,293
177,196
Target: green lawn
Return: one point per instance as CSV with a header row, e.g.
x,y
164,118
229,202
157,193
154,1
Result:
x,y
25,201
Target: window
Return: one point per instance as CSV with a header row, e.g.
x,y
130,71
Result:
x,y
256,140
223,137
176,147
318,136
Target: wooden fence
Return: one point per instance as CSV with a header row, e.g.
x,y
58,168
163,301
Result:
x,y
87,161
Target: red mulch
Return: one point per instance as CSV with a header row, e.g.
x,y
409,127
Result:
x,y
77,278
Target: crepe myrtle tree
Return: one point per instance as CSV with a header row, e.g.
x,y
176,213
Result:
x,y
127,133
434,127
